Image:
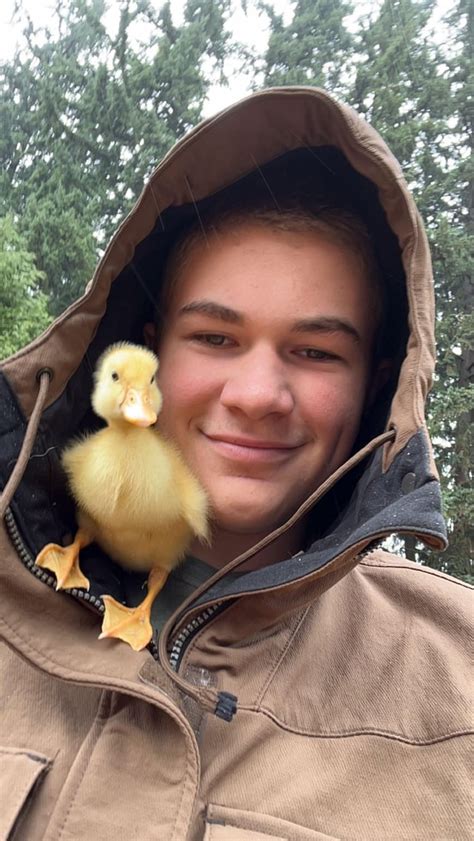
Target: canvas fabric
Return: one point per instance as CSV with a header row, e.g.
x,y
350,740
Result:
x,y
343,671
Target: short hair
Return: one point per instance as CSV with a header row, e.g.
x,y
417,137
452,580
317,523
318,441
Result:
x,y
335,224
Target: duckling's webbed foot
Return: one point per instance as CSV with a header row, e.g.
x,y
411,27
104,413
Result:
x,y
132,624
64,562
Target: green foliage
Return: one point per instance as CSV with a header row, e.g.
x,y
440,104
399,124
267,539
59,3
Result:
x,y
414,93
23,312
451,410
401,89
86,115
60,233
315,48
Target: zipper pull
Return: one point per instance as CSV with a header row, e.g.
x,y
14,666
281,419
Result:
x,y
226,706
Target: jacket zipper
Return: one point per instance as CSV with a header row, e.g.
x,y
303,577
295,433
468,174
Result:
x,y
42,574
185,636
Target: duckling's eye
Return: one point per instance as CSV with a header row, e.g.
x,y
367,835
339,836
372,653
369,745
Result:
x,y
115,376
152,379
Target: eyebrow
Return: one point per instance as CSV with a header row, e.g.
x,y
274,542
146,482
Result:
x,y
318,324
214,310
326,324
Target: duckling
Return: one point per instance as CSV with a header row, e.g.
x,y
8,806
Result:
x,y
135,495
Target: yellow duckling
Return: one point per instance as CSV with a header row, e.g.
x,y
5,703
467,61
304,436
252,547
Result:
x,y
136,497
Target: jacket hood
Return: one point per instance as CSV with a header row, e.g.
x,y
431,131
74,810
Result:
x,y
278,136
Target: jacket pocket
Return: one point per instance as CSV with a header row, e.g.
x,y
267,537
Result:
x,y
20,772
226,824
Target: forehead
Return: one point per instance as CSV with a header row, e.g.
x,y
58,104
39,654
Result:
x,y
284,272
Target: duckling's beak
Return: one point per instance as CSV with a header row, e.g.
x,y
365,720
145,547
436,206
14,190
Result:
x,y
137,409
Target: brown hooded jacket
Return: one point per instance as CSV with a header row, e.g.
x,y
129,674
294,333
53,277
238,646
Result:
x,y
323,697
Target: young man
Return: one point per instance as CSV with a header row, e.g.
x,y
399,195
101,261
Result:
x,y
306,685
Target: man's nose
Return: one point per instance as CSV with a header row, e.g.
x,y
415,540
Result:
x,y
258,385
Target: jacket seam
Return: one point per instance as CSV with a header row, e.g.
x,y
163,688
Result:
x,y
231,821
101,717
26,787
114,684
174,712
179,810
273,670
99,721
344,734
416,568
411,249
193,648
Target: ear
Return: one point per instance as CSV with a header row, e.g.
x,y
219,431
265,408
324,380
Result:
x,y
380,377
149,335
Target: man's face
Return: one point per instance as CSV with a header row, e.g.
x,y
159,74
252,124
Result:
x,y
264,368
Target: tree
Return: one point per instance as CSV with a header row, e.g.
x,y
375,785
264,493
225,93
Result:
x,y
87,114
315,48
452,404
23,312
414,93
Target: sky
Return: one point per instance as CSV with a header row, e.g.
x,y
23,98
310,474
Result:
x,y
250,28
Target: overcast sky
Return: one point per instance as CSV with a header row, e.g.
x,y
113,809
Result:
x,y
250,28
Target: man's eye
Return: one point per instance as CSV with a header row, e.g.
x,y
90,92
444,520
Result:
x,y
314,353
213,339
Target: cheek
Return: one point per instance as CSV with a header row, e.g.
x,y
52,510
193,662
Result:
x,y
334,408
186,389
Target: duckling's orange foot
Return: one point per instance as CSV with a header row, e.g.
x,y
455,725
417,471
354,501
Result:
x,y
130,624
64,562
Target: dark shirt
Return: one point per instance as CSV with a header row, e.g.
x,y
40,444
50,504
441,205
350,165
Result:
x,y
182,580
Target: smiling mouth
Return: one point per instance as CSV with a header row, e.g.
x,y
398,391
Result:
x,y
251,451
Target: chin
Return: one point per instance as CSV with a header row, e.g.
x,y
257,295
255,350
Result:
x,y
242,517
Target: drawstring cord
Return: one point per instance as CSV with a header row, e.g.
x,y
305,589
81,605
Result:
x,y
44,378
207,697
